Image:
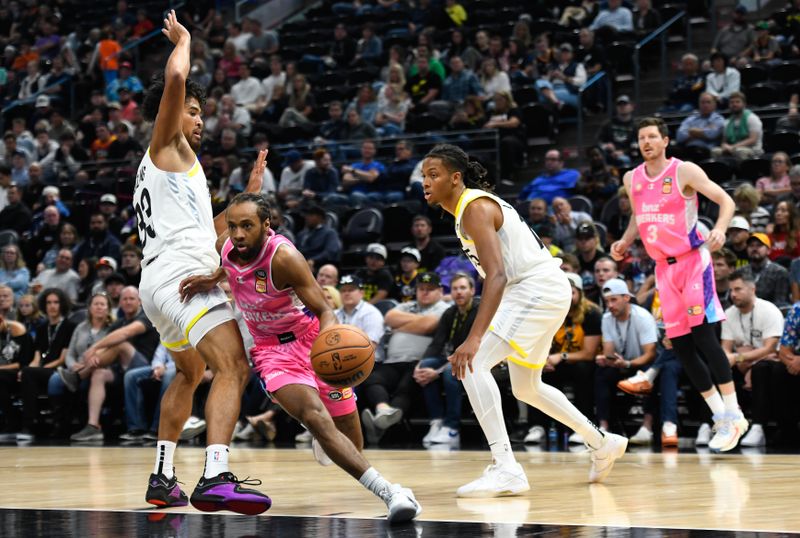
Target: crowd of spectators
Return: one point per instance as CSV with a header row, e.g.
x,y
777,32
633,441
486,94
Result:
x,y
76,342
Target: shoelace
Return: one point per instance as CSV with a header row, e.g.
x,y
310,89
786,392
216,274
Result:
x,y
247,481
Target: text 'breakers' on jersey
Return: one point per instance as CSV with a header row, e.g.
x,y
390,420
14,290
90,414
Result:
x,y
522,250
667,220
173,210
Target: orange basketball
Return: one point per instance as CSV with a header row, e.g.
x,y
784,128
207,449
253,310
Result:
x,y
342,356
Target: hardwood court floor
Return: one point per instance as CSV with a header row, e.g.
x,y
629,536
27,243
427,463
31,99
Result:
x,y
678,491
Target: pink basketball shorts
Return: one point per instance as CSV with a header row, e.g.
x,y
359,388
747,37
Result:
x,y
287,364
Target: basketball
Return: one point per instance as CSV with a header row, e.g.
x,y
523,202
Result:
x,y
342,356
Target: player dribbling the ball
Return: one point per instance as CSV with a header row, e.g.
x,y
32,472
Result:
x,y
285,309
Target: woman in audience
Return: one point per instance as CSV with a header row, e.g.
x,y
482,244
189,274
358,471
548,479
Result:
x,y
747,200
301,103
366,103
723,80
395,75
397,57
67,238
219,83
390,118
784,232
777,183
13,271
86,271
460,47
493,79
332,296
230,62
28,314
83,337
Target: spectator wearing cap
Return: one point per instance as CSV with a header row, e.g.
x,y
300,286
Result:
x,y
772,279
571,359
104,268
126,80
61,276
405,283
113,285
100,242
630,336
317,241
764,48
618,136
561,83
588,251
16,215
131,264
735,38
434,372
388,391
51,196
290,186
248,92
356,311
376,278
322,181
430,249
361,178
702,128
615,16
567,223
554,181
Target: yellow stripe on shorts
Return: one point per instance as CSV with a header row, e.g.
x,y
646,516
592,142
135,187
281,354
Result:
x,y
195,319
175,345
516,347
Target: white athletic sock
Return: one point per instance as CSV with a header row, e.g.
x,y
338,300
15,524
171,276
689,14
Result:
x,y
373,481
484,396
164,453
651,374
716,404
528,387
731,403
216,460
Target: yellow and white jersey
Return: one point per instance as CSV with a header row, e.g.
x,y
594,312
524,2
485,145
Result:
x,y
173,211
522,250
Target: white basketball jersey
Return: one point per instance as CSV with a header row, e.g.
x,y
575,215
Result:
x,y
522,250
173,211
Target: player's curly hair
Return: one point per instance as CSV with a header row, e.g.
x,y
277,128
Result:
x,y
263,206
457,160
152,97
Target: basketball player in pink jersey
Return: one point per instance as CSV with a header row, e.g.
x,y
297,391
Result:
x,y
284,309
663,193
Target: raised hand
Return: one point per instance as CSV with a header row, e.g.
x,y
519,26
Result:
x,y
257,173
174,30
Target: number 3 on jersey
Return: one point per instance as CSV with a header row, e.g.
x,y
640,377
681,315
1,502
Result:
x,y
143,209
652,233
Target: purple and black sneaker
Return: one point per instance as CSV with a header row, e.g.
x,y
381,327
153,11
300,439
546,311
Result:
x,y
164,492
224,492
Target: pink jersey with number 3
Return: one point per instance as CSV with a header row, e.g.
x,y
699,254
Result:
x,y
667,219
269,312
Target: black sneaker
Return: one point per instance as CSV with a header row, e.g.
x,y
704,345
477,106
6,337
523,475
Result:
x,y
224,492
164,492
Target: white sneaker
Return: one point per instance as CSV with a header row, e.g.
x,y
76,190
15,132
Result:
x,y
387,417
576,439
446,435
603,458
192,428
319,454
642,437
436,424
497,480
755,437
401,503
373,433
703,435
535,435
244,433
303,437
728,429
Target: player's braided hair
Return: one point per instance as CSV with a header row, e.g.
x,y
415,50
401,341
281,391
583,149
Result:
x,y
457,160
263,207
152,98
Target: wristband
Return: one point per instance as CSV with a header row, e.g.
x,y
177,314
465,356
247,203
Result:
x,y
564,356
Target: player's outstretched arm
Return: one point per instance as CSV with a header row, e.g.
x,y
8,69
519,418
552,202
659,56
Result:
x,y
170,110
620,247
477,215
290,269
253,185
693,176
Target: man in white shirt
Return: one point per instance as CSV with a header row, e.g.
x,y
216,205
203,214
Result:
x,y
248,92
238,37
277,76
62,276
294,170
750,336
358,312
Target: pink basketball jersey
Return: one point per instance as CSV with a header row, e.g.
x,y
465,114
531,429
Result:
x,y
667,219
269,313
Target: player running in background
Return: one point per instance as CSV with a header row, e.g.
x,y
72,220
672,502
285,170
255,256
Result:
x,y
285,310
524,301
177,232
663,193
